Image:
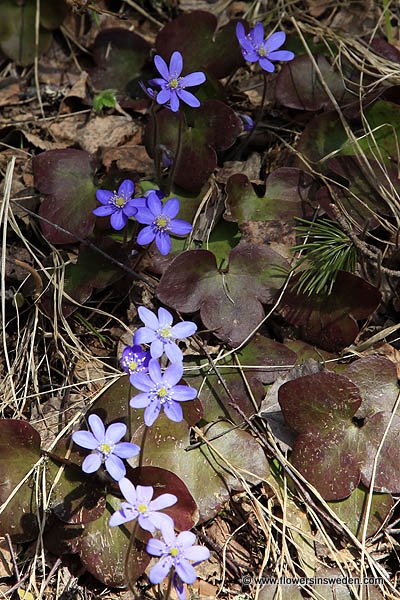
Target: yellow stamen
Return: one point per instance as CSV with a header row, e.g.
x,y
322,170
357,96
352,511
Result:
x,y
142,508
132,365
120,201
162,392
174,83
174,552
161,222
165,332
261,51
105,448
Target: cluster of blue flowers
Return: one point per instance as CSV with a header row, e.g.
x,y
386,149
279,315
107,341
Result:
x,y
158,391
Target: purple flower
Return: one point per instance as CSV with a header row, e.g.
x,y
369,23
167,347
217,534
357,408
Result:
x,y
176,552
107,449
255,48
248,122
173,85
120,205
134,360
160,391
160,221
139,505
161,334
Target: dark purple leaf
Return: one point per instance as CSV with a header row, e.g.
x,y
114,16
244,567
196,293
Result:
x,y
330,322
65,178
230,302
194,35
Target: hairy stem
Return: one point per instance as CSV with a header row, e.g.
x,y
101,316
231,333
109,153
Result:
x,y
177,156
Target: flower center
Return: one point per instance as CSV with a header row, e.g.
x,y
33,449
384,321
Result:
x,y
165,332
261,51
142,508
119,201
162,392
132,365
174,83
105,448
174,552
161,223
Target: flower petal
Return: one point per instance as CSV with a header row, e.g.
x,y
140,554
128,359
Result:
x,y
169,536
163,96
267,65
120,517
183,330
257,34
163,242
165,319
240,32
160,570
115,467
155,371
185,571
161,66
189,98
183,393
155,547
115,432
156,348
274,41
179,227
104,196
171,208
140,400
85,439
146,522
144,494
173,411
151,413
186,539
142,382
118,220
97,426
126,450
173,352
130,210
145,335
146,236
196,553
154,204
173,373
281,55
195,78
175,64
174,101
160,520
104,211
144,216
91,463
128,491
148,317
126,189
163,501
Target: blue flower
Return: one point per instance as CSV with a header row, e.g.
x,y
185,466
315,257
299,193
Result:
x,y
248,123
160,391
255,48
120,205
139,505
176,552
104,443
161,334
173,85
160,221
134,360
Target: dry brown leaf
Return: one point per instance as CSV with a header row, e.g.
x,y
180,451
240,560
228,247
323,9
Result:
x,y
10,89
6,564
67,130
129,156
105,132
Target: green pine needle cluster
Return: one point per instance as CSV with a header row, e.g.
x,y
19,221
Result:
x,y
326,249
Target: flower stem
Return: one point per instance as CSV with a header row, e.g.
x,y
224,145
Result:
x,y
177,156
156,149
169,586
127,555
